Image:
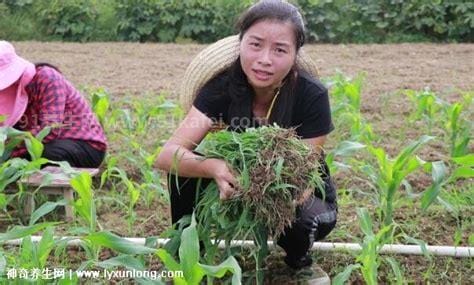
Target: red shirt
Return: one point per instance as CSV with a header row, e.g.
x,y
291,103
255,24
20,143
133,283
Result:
x,y
53,101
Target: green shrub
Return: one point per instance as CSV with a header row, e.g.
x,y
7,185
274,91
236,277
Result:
x,y
17,22
204,21
107,22
388,20
72,20
167,20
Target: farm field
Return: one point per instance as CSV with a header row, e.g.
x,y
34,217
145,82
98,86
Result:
x,y
372,112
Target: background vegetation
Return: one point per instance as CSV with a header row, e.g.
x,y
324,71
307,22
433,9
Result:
x,y
204,21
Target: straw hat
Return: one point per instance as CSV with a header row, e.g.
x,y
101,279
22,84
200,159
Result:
x,y
216,58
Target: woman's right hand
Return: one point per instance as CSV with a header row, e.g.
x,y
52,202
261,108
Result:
x,y
223,176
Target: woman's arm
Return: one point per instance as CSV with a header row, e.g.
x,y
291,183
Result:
x,y
317,143
177,156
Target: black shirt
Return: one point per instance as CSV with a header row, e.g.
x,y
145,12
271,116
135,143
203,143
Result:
x,y
311,111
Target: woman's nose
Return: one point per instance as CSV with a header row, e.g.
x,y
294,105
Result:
x,y
265,57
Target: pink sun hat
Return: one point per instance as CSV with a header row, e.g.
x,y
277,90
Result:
x,y
13,97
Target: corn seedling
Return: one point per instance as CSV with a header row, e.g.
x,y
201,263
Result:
x,y
390,173
428,107
100,104
368,260
193,270
346,95
128,256
346,92
458,130
132,188
343,150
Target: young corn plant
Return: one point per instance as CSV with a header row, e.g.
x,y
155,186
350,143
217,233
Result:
x,y
100,105
29,255
346,95
132,188
389,174
93,241
189,255
130,255
368,259
457,128
343,150
14,169
461,168
428,107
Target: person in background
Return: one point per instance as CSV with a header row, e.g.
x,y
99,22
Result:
x,y
35,96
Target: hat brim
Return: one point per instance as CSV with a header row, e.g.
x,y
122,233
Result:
x,y
19,98
12,72
216,58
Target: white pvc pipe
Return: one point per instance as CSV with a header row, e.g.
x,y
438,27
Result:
x,y
456,251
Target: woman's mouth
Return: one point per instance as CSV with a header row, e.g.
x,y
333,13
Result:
x,y
262,75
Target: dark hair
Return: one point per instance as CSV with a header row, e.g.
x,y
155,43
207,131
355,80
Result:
x,y
40,64
273,10
240,89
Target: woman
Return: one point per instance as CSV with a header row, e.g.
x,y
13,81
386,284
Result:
x,y
33,97
262,86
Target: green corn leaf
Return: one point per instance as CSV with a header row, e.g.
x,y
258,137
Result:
x,y
466,160
396,270
82,183
45,246
230,264
462,172
123,260
342,277
408,151
450,207
100,105
43,133
44,210
189,249
28,253
21,231
420,243
347,147
112,241
168,260
438,173
34,147
365,221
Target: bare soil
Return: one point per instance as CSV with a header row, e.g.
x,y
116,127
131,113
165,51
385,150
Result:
x,y
136,68
132,69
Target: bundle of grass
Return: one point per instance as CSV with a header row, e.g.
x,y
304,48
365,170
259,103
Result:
x,y
276,172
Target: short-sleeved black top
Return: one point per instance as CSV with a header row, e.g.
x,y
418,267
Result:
x,y
311,114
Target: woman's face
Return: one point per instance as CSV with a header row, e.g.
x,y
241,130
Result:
x,y
267,53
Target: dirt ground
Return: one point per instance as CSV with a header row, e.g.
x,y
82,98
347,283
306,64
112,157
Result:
x,y
136,68
133,69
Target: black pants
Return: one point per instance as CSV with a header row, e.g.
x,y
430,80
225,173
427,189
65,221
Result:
x,y
314,220
78,153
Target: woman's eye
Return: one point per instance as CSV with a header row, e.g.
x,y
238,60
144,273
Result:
x,y
255,44
280,50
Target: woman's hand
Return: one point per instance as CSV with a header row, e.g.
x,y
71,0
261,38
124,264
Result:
x,y
223,176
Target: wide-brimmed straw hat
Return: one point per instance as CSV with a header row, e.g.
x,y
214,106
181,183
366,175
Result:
x,y
13,101
216,58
